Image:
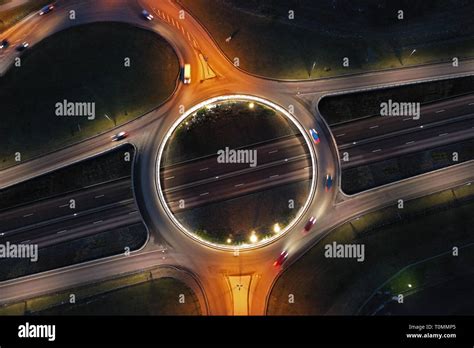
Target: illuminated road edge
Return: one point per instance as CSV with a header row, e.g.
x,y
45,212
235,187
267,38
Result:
x,y
237,97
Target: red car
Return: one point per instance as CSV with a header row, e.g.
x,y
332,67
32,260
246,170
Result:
x,y
281,259
309,225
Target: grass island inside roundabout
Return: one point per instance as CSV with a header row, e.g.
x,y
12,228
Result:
x,y
236,171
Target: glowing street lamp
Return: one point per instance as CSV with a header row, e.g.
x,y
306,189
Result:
x,y
276,228
253,237
251,105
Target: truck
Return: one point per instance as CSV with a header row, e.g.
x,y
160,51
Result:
x,y
187,74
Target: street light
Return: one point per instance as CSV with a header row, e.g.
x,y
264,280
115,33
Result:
x,y
276,228
251,105
253,237
107,117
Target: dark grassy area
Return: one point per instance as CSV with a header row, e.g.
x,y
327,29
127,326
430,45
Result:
x,y
358,179
141,293
107,167
350,107
257,212
82,64
393,239
154,297
100,245
421,282
229,124
451,297
325,31
10,17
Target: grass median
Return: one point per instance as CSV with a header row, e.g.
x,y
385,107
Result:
x,y
83,64
393,239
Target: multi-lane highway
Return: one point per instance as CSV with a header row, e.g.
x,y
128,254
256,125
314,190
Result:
x,y
212,266
280,161
50,221
380,137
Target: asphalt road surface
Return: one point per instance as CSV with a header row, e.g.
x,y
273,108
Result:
x,y
378,138
198,182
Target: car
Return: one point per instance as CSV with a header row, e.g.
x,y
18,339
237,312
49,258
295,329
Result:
x,y
46,9
187,74
22,47
119,136
309,225
314,135
4,44
328,182
147,15
281,259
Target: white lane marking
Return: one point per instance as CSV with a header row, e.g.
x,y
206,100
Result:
x,y
273,151
97,222
440,111
136,211
64,205
407,119
274,176
28,215
61,231
340,135
377,150
239,185
203,169
99,196
443,134
204,194
410,142
25,241
169,178
470,104
373,127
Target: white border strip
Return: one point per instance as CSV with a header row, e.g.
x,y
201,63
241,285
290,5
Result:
x,y
237,97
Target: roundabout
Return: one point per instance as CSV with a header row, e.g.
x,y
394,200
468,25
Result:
x,y
236,172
